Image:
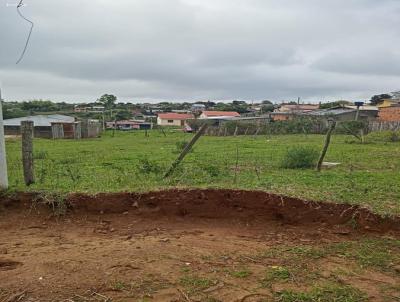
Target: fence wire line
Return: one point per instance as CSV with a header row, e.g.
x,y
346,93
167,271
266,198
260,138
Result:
x,y
20,4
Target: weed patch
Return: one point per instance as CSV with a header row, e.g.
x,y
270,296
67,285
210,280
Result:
x,y
241,273
300,157
57,202
195,284
325,293
276,274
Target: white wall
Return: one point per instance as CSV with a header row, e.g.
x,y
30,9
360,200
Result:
x,y
164,122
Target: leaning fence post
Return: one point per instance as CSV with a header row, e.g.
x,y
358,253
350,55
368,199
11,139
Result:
x,y
187,149
27,151
326,145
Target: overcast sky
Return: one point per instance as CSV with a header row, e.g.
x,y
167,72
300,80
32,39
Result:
x,y
147,50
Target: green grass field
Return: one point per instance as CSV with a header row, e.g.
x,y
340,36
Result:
x,y
368,174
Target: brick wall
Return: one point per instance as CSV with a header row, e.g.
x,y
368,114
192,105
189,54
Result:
x,y
389,114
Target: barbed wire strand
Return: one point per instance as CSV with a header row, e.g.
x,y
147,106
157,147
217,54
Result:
x,y
20,4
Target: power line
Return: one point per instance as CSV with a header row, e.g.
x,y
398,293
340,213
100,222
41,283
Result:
x,y
20,4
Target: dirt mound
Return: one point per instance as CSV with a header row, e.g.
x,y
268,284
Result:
x,y
193,245
254,206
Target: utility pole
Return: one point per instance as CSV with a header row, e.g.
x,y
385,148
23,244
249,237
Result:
x,y
358,104
3,162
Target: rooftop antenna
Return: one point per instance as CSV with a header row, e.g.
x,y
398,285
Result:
x,y
3,162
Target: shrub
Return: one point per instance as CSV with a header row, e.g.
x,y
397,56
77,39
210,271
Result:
x,y
148,166
212,170
300,157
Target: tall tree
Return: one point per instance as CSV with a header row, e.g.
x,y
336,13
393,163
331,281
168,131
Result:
x,y
108,100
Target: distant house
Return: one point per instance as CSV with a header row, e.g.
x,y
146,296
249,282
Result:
x,y
129,125
173,119
291,108
91,109
390,114
219,114
282,116
40,120
343,113
42,124
388,103
288,111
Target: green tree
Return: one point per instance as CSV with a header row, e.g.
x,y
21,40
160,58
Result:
x,y
39,106
108,100
267,108
123,115
376,99
334,104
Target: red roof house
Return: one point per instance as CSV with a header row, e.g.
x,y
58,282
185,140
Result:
x,y
173,119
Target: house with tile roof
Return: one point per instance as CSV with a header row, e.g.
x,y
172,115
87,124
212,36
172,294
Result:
x,y
173,119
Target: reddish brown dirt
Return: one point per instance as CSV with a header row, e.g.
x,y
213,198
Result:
x,y
142,247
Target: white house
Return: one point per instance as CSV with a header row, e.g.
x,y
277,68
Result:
x,y
173,119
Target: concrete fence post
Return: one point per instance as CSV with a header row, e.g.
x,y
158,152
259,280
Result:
x,y
3,161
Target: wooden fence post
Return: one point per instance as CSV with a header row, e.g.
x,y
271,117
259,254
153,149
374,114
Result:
x,y
114,128
236,130
326,145
27,151
187,149
163,132
219,130
85,128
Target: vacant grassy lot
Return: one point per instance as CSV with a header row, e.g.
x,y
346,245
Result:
x,y
368,174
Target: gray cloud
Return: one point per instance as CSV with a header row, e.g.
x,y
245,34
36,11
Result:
x,y
201,49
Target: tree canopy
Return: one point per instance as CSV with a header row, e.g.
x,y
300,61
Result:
x,y
376,99
108,100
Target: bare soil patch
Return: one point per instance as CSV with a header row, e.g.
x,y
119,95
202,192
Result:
x,y
195,245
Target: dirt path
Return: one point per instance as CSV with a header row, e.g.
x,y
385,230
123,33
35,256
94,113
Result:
x,y
195,246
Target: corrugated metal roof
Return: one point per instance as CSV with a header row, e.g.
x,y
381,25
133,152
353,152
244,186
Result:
x,y
363,108
323,112
40,120
221,113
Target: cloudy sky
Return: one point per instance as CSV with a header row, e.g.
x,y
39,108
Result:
x,y
148,50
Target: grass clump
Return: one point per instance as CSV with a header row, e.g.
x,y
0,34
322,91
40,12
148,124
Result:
x,y
241,274
276,274
300,157
147,166
326,293
119,286
195,283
